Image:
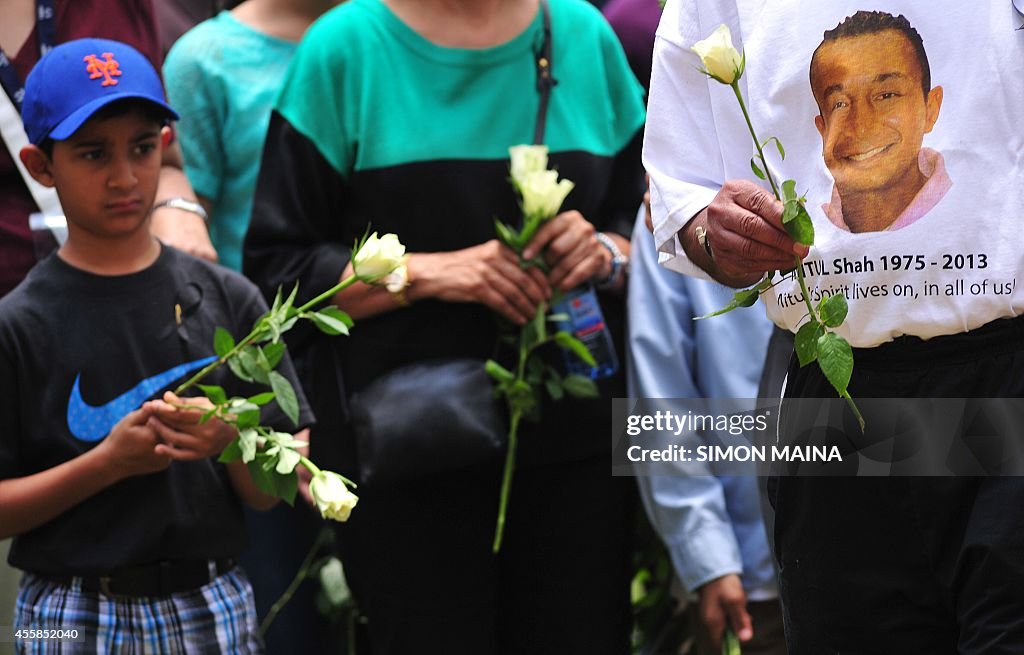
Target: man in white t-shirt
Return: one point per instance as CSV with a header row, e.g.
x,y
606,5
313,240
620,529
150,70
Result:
x,y
896,564
871,80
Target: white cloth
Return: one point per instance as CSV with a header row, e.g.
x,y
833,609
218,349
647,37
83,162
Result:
x,y
964,254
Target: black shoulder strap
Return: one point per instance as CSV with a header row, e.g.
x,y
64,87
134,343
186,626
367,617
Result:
x,y
545,75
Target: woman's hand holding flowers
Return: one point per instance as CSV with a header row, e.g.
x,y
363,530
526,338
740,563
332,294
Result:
x,y
488,273
571,250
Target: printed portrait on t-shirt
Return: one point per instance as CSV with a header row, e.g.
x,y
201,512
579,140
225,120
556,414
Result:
x,y
876,102
902,129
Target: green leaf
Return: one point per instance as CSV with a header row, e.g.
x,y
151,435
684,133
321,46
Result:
x,y
268,458
261,477
245,420
801,228
236,405
286,398
554,388
765,284
507,235
275,329
247,443
216,394
560,317
272,353
250,360
521,396
223,342
261,398
833,309
236,367
276,304
778,145
498,372
290,302
207,415
757,169
579,386
789,190
835,357
232,453
287,486
806,342
328,324
742,298
568,342
790,209
287,461
288,440
336,313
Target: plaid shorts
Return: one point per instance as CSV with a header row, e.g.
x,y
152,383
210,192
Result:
x,y
219,617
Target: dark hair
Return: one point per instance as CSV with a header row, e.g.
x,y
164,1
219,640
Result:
x,y
150,110
873,22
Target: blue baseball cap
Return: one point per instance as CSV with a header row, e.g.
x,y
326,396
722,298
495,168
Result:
x,y
78,78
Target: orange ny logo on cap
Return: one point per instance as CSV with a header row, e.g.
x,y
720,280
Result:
x,y
107,68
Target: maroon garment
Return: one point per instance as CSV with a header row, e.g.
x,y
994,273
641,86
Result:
x,y
635,22
179,16
130,21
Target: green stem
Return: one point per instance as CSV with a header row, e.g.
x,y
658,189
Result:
x,y
209,368
803,287
340,286
251,337
757,142
506,482
515,415
775,189
315,470
300,575
308,463
853,406
799,260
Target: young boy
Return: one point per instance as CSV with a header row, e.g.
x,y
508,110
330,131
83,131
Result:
x,y
125,524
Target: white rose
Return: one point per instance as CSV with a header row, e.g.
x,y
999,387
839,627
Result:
x,y
526,160
332,496
543,194
378,256
721,60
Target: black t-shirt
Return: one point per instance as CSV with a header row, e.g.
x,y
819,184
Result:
x,y
78,352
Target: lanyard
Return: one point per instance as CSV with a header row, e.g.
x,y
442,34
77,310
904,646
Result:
x,y
46,32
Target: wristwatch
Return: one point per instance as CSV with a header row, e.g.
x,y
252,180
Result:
x,y
185,204
620,262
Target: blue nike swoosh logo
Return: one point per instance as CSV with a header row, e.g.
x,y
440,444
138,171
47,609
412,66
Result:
x,y
89,423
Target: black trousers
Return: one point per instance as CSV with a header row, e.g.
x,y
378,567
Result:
x,y
419,561
906,564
